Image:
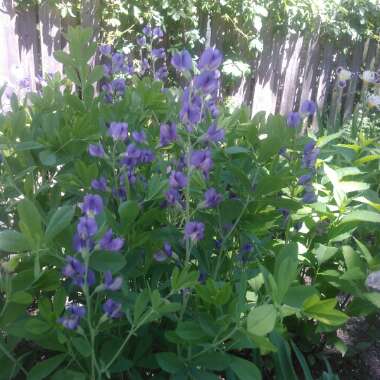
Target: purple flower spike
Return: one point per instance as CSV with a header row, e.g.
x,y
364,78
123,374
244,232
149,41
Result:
x,y
108,243
112,309
92,205
86,227
139,137
163,254
182,61
213,134
309,197
112,284
147,30
194,231
168,133
105,49
172,197
76,309
293,119
212,198
191,111
157,32
201,159
206,81
81,244
118,131
309,147
158,53
96,150
70,322
99,184
177,180
308,108
76,271
162,73
305,179
118,86
210,59
141,41
117,62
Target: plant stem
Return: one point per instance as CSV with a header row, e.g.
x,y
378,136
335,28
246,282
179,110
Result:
x,y
13,359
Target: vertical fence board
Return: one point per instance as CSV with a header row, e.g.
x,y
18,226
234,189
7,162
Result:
x,y
50,37
290,67
268,75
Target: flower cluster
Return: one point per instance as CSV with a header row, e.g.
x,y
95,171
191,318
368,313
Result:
x,y
75,313
310,155
307,109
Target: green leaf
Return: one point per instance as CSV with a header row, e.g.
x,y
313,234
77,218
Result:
x,y
324,253
285,269
302,361
64,374
364,160
43,369
96,74
36,326
324,311
104,261
261,320
63,57
59,221
21,297
47,158
30,222
283,362
189,331
244,369
351,186
322,141
297,295
217,361
361,216
170,362
59,300
128,211
184,279
82,346
13,241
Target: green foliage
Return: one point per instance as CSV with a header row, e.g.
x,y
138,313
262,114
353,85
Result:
x,y
267,274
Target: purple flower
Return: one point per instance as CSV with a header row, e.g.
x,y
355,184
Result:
x,y
285,212
76,309
107,71
117,62
213,134
99,184
108,243
191,111
308,108
139,137
72,321
105,49
147,30
81,244
168,133
158,53
96,150
146,156
112,309
212,107
310,157
111,283
157,32
293,119
206,81
118,131
305,179
309,147
177,180
24,83
194,231
247,248
92,204
172,197
182,61
309,197
162,73
212,198
163,254
118,86
141,40
210,59
76,271
201,159
86,227
144,65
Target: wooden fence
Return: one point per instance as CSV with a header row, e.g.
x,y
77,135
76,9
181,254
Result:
x,y
291,67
